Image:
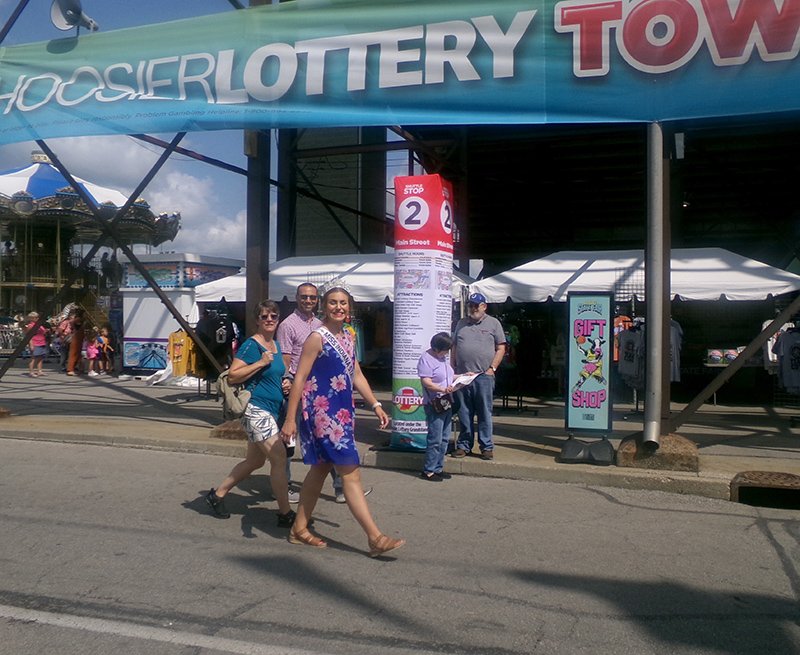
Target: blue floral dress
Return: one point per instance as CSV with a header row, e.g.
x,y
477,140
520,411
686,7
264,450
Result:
x,y
326,429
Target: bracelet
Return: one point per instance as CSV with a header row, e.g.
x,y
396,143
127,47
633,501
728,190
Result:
x,y
377,404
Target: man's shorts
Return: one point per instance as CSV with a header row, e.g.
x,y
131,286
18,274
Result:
x,y
259,424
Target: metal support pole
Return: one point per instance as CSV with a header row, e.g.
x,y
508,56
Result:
x,y
286,223
257,149
654,287
372,188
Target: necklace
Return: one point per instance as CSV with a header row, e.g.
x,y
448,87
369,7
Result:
x,y
269,345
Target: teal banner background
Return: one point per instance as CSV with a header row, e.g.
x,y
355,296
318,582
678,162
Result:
x,y
359,62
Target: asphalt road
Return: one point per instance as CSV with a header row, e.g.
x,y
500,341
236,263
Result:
x,y
111,550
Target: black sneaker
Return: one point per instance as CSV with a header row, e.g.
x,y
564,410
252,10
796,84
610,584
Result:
x,y
217,505
286,520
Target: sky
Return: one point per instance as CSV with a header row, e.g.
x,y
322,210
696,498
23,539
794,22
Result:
x,y
211,201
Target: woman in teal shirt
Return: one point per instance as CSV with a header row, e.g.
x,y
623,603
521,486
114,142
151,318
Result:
x,y
259,365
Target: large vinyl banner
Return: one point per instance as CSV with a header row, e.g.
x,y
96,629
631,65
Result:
x,y
369,62
423,299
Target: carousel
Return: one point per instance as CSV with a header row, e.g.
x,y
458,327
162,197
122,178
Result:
x,y
44,229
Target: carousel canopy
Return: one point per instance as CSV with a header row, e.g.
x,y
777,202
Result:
x,y
40,193
43,180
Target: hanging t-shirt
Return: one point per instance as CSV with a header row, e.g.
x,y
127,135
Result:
x,y
178,354
787,348
770,358
216,333
512,341
621,323
356,329
632,357
195,362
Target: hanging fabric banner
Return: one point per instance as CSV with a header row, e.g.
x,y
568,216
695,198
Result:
x,y
589,351
423,301
315,63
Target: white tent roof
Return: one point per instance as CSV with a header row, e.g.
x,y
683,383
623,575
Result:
x,y
232,288
369,277
696,274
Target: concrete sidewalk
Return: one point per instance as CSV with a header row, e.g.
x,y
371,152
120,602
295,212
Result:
x,y
131,412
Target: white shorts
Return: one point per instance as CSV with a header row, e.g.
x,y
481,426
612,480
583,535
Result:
x,y
258,423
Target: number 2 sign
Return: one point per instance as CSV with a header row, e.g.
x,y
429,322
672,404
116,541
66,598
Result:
x,y
413,213
419,198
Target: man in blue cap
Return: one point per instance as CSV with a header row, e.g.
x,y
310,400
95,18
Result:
x,y
479,344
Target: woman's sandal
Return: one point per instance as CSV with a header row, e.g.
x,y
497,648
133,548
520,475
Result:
x,y
305,538
383,545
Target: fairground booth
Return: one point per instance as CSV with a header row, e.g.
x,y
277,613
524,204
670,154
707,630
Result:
x,y
719,303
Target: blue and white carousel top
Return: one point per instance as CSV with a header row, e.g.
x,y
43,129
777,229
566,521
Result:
x,y
41,180
39,192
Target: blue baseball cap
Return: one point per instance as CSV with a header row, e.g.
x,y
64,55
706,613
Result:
x,y
477,298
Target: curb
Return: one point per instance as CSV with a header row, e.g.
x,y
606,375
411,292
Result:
x,y
615,477
224,448
623,478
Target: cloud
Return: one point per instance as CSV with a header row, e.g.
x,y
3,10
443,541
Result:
x,y
204,229
211,201
225,237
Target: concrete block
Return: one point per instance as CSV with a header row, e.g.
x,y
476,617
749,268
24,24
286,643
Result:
x,y
675,453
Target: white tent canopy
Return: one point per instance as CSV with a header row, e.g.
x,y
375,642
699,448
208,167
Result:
x,y
232,288
370,278
696,274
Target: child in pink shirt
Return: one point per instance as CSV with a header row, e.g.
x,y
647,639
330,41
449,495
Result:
x,y
92,348
38,345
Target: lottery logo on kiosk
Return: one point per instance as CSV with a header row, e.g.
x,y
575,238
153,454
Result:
x,y
589,351
423,300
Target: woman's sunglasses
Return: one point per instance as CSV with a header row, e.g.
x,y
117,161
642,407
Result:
x,y
269,317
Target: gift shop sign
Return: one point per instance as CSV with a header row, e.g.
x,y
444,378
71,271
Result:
x,y
423,302
589,352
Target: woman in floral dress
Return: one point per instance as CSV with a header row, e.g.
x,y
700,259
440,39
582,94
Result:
x,y
326,376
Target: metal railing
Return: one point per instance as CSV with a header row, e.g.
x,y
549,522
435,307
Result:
x,y
43,269
10,336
